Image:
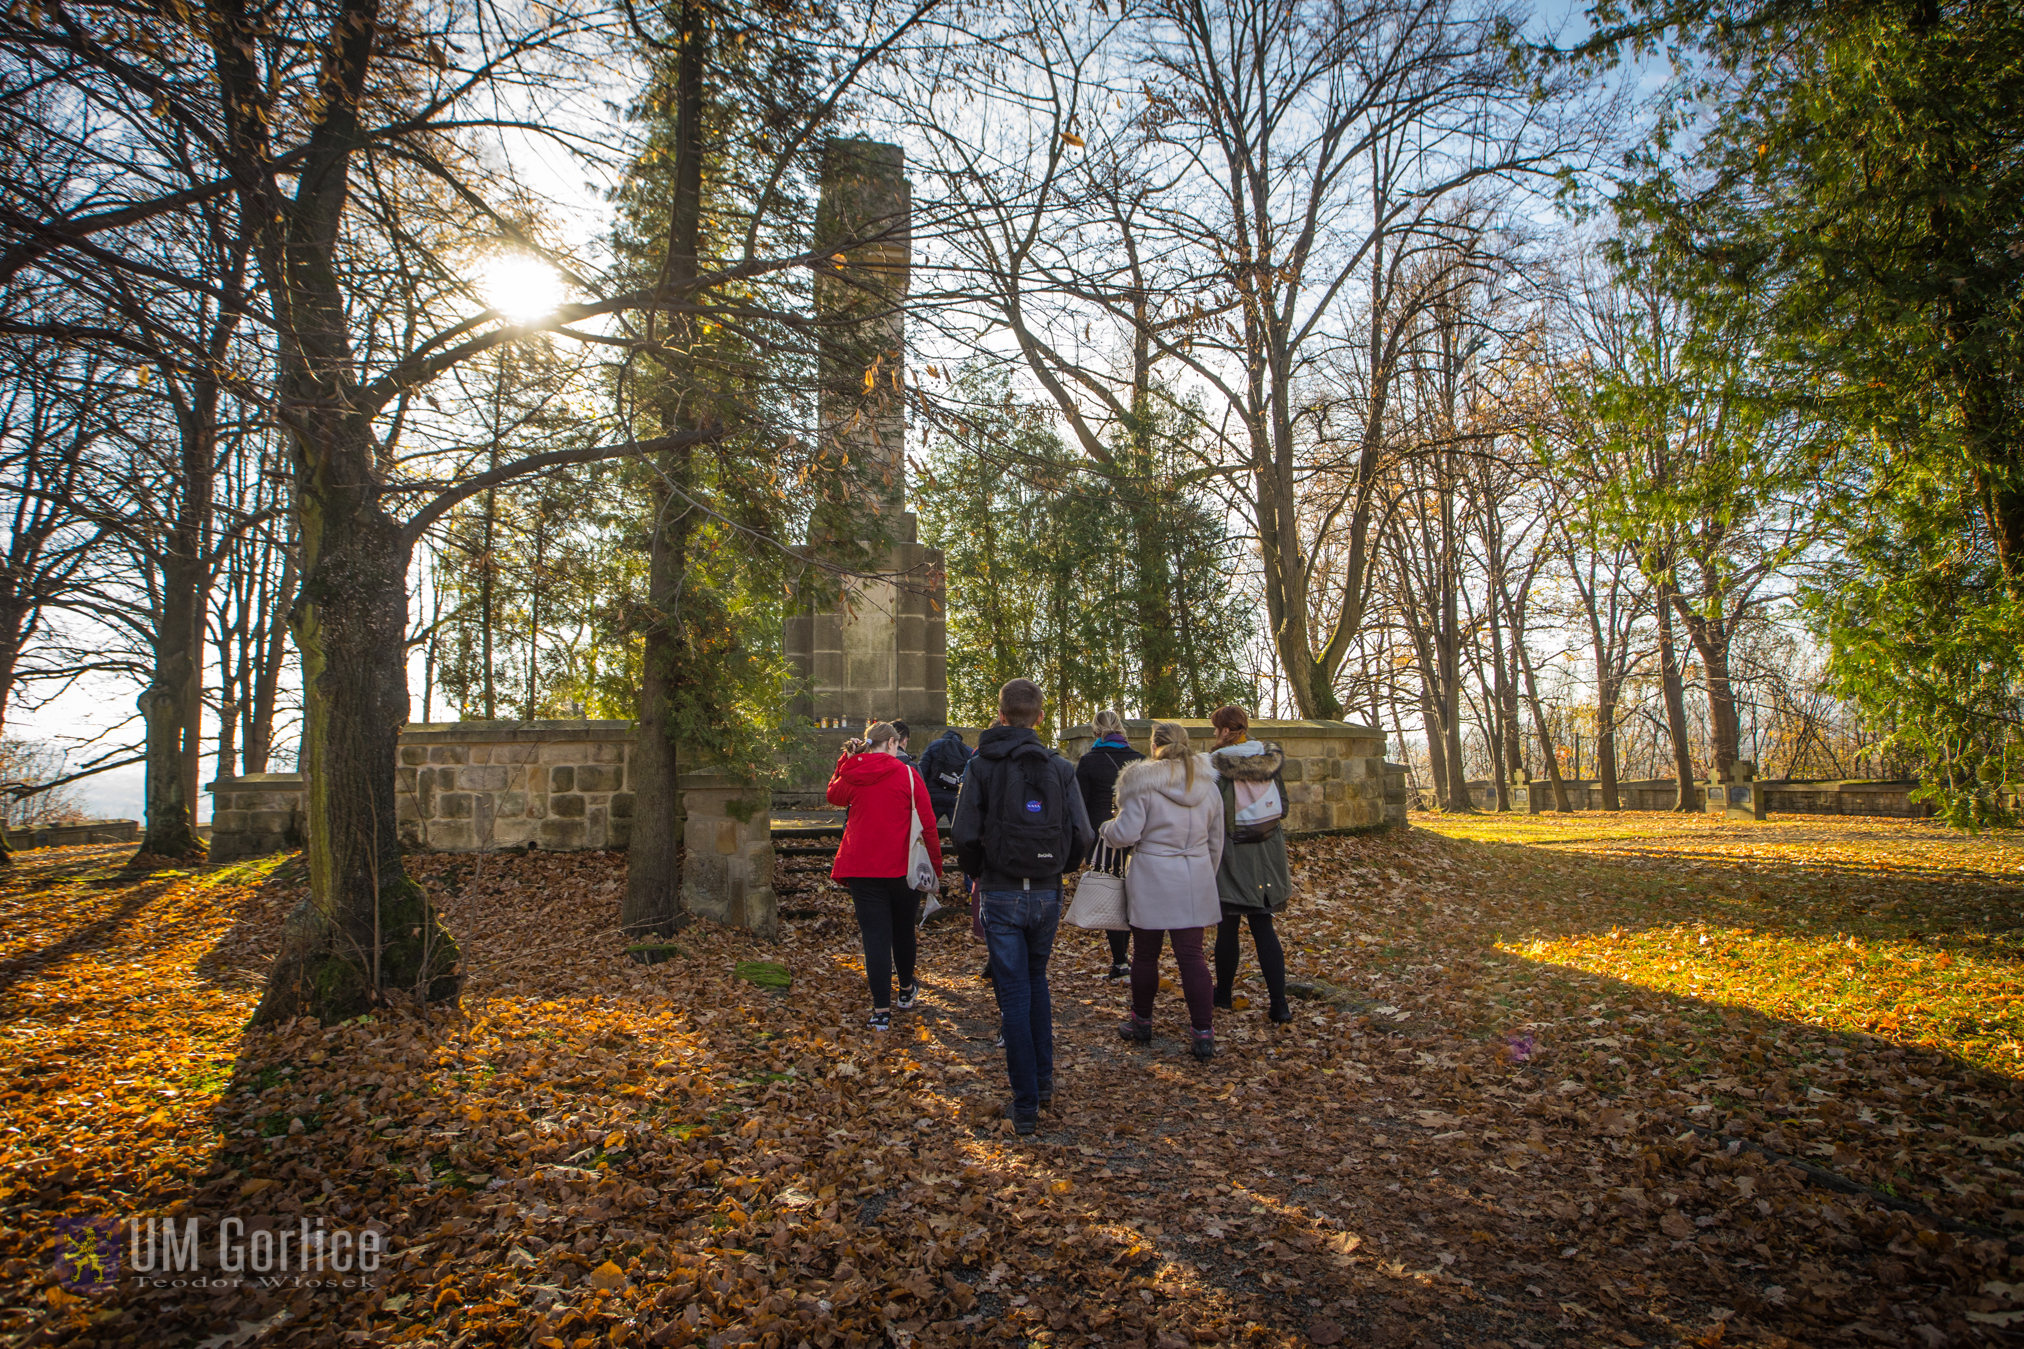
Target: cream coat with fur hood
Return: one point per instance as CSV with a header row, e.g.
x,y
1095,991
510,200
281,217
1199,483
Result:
x,y
1176,833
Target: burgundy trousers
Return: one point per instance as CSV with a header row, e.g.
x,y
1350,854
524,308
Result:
x,y
1197,984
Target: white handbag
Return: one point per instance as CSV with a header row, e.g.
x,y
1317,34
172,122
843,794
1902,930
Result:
x,y
1099,894
920,867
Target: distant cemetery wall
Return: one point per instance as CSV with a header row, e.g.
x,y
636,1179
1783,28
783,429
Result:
x,y
1793,796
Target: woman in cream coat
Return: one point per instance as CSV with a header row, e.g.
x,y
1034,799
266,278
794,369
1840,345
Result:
x,y
1171,814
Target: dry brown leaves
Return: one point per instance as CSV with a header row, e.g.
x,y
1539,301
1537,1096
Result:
x,y
1452,1145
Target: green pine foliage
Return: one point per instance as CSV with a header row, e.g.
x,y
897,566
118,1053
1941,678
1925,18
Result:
x,y
1860,187
1053,559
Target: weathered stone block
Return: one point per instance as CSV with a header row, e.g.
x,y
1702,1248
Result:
x,y
537,782
513,754
619,834
594,827
607,751
414,754
1294,770
453,806
481,754
621,805
561,834
509,805
489,778
451,754
566,807
230,822
404,809
452,835
404,780
558,752
1334,791
562,778
598,777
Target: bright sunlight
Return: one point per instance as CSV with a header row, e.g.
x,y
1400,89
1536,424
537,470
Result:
x,y
522,287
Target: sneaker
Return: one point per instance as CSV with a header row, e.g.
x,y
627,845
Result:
x,y
999,1043
1118,970
1205,1044
1021,1124
1046,1094
908,996
986,975
881,1019
930,909
1135,1028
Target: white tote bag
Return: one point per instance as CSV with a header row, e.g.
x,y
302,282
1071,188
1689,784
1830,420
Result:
x,y
920,867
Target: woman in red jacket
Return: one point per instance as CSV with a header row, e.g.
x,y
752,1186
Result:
x,y
884,796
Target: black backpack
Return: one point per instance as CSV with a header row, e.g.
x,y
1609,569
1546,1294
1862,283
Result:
x,y
1027,833
943,765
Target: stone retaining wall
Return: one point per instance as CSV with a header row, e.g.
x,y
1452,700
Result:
x,y
474,786
71,835
1335,771
727,853
257,814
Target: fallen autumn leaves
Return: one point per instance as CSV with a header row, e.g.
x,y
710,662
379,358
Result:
x,y
1455,1142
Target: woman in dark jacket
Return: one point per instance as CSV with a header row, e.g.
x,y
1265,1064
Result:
x,y
1096,774
1253,881
885,797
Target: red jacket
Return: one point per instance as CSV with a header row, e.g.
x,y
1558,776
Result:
x,y
879,790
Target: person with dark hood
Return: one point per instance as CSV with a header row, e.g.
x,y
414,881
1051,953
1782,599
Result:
x,y
1254,882
1019,825
1096,774
942,764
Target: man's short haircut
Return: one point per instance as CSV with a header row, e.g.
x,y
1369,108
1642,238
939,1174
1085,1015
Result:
x,y
1020,701
901,727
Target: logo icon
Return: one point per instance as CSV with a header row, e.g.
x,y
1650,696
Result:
x,y
87,1258
1035,807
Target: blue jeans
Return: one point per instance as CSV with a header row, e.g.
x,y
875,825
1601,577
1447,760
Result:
x,y
1019,928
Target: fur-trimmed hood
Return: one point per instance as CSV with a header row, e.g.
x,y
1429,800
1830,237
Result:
x,y
1164,776
1256,766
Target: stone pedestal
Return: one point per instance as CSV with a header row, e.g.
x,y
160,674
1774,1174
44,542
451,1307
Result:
x,y
878,651
727,861
1527,797
1738,795
257,814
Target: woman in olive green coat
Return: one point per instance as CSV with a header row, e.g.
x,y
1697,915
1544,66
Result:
x,y
1253,881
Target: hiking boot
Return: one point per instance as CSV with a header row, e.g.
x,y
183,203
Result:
x,y
1205,1044
1118,970
1282,1014
1021,1124
1136,1028
908,996
881,1019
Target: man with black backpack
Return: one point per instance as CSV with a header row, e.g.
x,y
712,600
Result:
x,y
1020,823
942,764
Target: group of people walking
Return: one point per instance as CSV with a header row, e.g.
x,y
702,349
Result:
x,y
1195,837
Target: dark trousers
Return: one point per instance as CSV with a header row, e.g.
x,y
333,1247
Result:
x,y
886,909
1120,947
1019,926
1145,973
1271,956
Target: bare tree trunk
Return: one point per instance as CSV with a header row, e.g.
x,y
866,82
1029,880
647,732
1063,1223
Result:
x,y
1676,702
267,679
366,930
1711,639
653,880
170,805
1437,750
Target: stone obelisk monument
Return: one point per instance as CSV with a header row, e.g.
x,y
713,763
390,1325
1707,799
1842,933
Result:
x,y
880,649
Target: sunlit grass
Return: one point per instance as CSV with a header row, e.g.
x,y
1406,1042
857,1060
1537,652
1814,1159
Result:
x,y
1900,929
